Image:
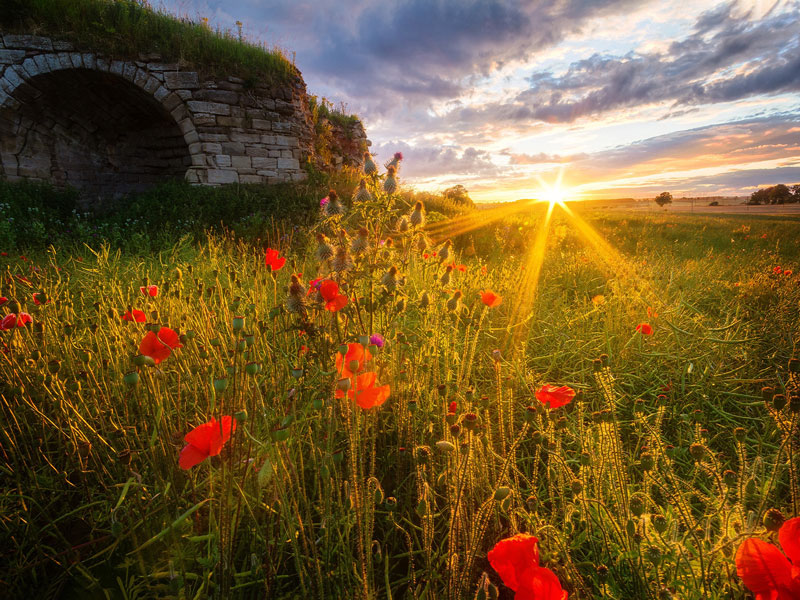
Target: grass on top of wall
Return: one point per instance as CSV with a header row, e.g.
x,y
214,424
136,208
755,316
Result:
x,y
126,28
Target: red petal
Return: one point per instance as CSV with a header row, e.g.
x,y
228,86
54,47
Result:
x,y
540,583
337,303
763,568
23,319
8,321
191,456
329,289
372,396
151,346
556,396
169,337
789,537
512,556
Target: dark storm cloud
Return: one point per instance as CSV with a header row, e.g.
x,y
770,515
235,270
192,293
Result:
x,y
725,58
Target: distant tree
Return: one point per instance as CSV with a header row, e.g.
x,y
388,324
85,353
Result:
x,y
796,192
779,194
760,196
664,198
458,194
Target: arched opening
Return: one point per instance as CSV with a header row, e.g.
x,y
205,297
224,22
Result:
x,y
91,130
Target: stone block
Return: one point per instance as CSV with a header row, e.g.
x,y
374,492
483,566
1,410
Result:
x,y
195,148
233,148
152,85
161,67
299,176
102,64
27,42
130,71
222,160
192,137
262,125
220,176
282,140
247,138
89,60
179,112
281,126
181,80
230,121
9,57
141,77
184,94
13,79
171,101
223,96
259,162
214,108
251,179
288,163
77,60
266,173
269,140
161,93
240,162
65,60
61,46
30,67
202,119
286,154
212,148
41,63
213,137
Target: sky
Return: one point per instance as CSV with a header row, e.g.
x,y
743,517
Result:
x,y
624,98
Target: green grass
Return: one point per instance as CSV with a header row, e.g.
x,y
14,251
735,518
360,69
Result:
x,y
123,29
314,497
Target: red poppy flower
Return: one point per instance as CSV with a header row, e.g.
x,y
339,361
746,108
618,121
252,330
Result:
x,y
555,396
513,556
205,440
355,352
13,320
135,315
23,279
452,407
313,286
364,391
3,300
644,329
273,259
426,256
540,583
777,270
766,571
788,272
3,253
159,346
490,299
651,312
39,298
149,290
334,301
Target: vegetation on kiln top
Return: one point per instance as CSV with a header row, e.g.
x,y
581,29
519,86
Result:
x,y
127,28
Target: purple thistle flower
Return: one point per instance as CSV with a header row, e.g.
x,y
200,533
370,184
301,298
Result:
x,y
323,202
398,156
377,339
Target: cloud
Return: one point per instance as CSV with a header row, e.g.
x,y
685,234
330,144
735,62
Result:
x,y
421,162
726,57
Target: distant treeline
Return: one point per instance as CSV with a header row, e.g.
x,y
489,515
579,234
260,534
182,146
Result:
x,y
777,194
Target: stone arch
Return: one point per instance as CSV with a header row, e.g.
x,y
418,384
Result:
x,y
106,128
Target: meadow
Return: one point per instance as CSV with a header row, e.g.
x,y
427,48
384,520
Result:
x,y
367,405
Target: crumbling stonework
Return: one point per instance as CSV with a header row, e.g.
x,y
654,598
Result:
x,y
109,127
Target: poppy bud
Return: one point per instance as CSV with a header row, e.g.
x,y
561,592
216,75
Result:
x,y
249,339
344,384
240,416
586,459
74,386
530,414
750,488
190,334
240,345
767,393
54,366
794,365
36,355
455,430
653,554
68,328
442,389
778,401
577,486
252,368
124,457
445,446
231,370
502,493
470,421
297,373
637,505
496,355
131,378
729,477
318,403
84,356
698,451
220,384
412,405
238,323
450,418
602,573
647,461
390,503
659,523
740,433
773,519
794,404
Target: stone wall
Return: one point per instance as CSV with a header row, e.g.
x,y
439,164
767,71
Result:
x,y
108,127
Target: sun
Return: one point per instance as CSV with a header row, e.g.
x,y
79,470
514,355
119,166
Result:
x,y
553,193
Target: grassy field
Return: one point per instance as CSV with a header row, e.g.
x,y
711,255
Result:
x,y
674,448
